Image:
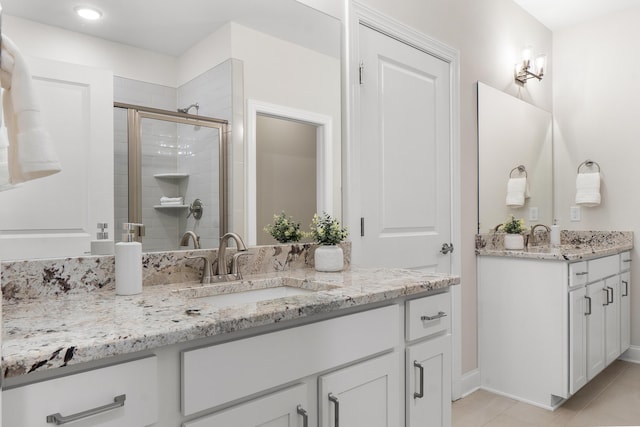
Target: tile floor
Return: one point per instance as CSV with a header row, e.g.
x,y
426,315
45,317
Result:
x,y
610,399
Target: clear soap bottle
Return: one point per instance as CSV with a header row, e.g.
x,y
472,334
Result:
x,y
129,260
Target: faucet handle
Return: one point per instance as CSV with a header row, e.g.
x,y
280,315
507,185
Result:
x,y
235,268
206,270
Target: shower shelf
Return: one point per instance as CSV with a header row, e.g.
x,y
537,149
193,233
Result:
x,y
170,206
171,175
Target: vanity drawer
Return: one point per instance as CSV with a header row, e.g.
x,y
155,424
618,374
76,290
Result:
x,y
428,315
578,273
603,267
30,405
625,261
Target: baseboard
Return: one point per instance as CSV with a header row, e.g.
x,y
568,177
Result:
x,y
631,355
470,382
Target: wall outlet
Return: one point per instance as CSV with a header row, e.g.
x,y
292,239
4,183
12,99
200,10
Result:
x,y
575,213
533,213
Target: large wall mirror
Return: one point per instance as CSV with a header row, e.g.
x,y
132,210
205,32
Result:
x,y
217,53
512,133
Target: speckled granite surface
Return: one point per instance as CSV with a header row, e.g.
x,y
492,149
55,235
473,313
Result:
x,y
575,245
46,333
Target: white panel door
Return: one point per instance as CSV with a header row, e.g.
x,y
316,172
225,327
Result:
x,y
57,215
366,394
625,311
612,320
405,137
595,329
579,308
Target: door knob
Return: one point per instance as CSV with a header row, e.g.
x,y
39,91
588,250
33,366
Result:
x,y
446,248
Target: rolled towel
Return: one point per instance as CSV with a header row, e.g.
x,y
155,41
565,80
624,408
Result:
x,y
516,192
588,189
171,201
31,152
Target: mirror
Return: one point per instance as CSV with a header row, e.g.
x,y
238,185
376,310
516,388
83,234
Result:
x,y
283,52
511,133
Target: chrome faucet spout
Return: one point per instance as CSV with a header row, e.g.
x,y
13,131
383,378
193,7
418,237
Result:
x,y
221,265
532,238
184,241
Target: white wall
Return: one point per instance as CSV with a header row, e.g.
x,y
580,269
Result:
x,y
489,35
595,102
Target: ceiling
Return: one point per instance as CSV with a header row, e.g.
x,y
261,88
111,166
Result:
x,y
558,14
173,26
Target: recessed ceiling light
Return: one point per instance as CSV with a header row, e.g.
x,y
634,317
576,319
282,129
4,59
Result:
x,y
88,13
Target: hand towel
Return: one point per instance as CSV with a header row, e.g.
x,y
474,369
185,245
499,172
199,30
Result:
x,y
31,153
516,192
171,201
588,189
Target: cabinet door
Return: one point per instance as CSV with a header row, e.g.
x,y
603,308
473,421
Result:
x,y
612,320
579,308
595,329
285,408
429,383
625,311
366,394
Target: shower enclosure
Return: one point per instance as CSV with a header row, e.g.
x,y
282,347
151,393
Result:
x,y
166,163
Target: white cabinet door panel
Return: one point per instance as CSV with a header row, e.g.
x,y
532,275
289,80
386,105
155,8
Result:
x,y
595,329
612,320
579,308
625,311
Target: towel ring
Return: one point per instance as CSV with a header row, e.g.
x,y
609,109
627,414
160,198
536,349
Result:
x,y
589,164
521,170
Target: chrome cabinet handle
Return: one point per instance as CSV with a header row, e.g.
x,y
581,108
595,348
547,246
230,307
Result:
x,y
336,402
626,288
305,416
446,248
581,273
434,317
589,312
59,419
626,260
609,289
606,300
420,394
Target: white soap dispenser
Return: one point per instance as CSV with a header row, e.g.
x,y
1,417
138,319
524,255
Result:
x,y
102,245
554,236
129,260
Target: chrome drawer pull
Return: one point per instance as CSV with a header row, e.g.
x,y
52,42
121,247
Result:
x,y
581,273
626,260
59,419
305,417
437,316
336,418
420,394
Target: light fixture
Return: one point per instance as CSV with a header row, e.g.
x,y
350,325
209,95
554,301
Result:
x,y
88,13
526,70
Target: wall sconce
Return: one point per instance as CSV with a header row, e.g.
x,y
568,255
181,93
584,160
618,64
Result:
x,y
525,71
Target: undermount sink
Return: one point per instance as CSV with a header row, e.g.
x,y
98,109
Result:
x,y
252,291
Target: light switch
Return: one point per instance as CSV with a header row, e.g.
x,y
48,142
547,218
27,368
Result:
x,y
533,213
575,213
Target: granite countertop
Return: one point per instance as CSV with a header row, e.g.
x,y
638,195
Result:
x,y
47,333
576,245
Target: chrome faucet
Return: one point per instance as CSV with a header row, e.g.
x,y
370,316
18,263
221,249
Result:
x,y
532,238
221,270
184,241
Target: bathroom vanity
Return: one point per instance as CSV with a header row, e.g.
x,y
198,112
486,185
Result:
x,y
360,347
550,319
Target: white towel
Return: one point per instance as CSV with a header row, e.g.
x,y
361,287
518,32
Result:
x,y
517,192
31,153
588,189
164,201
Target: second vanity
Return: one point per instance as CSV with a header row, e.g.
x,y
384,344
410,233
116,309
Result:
x,y
550,319
362,347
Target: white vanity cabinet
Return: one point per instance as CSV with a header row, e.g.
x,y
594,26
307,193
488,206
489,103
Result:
x,y
428,361
547,327
114,396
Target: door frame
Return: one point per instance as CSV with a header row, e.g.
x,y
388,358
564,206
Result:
x,y
357,14
324,156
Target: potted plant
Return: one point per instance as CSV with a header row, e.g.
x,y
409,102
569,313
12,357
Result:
x,y
284,229
327,233
514,240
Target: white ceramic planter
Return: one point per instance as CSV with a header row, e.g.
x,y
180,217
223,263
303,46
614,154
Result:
x,y
328,258
514,242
